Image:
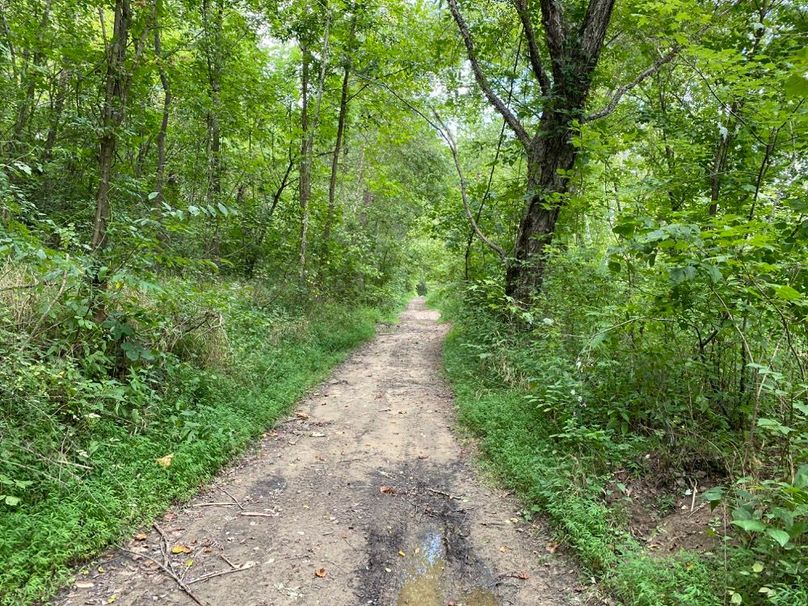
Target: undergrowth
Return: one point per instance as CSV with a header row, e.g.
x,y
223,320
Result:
x,y
555,442
82,431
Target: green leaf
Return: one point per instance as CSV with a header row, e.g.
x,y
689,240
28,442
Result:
x,y
801,477
750,525
786,293
713,496
11,500
781,536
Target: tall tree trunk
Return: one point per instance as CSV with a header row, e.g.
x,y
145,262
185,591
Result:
x,y
332,183
304,181
57,108
341,120
574,50
112,116
213,50
167,98
548,165
309,126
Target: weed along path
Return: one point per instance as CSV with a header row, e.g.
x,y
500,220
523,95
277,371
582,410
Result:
x,y
364,495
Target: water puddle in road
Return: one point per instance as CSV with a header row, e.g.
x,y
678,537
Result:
x,y
423,579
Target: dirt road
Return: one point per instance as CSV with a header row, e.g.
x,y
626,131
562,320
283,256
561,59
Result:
x,y
365,495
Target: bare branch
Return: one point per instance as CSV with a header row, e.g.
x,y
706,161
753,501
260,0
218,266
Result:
x,y
642,76
656,65
533,49
447,136
482,80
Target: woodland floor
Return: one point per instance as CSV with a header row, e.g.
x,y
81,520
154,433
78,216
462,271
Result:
x,y
365,495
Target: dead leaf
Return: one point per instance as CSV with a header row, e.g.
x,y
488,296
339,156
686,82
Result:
x,y
320,573
165,462
141,536
189,562
302,415
180,548
521,575
84,584
551,547
387,490
112,598
503,549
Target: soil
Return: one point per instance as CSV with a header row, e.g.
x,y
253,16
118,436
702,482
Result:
x,y
365,495
662,511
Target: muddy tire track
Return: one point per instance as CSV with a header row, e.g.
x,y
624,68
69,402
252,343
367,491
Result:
x,y
365,495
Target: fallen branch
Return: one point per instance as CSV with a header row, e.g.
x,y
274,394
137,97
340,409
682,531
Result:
x,y
166,568
444,494
211,575
235,500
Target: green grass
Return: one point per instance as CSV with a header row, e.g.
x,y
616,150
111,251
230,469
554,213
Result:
x,y
274,361
554,476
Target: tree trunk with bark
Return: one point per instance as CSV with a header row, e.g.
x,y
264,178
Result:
x,y
341,121
309,124
574,50
112,116
167,98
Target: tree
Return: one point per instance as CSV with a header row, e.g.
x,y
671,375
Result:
x,y
574,41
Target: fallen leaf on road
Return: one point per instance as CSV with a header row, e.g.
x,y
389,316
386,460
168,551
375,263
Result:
x,y
503,549
521,575
320,572
180,548
165,461
552,546
141,536
302,415
387,490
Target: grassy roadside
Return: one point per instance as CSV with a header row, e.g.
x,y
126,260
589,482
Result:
x,y
202,420
555,473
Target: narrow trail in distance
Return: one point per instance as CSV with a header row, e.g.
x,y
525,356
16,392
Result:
x,y
364,495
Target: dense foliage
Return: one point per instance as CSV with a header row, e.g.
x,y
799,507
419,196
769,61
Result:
x,y
197,193
668,316
200,205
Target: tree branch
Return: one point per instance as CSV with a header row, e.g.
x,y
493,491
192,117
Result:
x,y
482,80
555,32
656,65
447,136
533,49
642,76
593,30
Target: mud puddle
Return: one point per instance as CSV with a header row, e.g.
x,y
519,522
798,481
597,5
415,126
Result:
x,y
425,577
